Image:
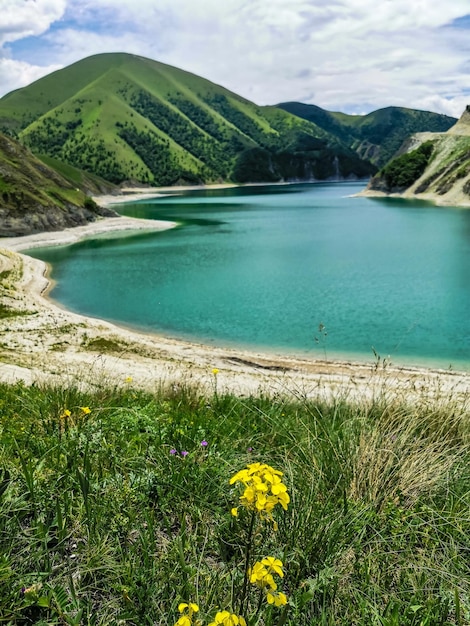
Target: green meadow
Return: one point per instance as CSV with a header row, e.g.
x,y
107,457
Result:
x,y
117,508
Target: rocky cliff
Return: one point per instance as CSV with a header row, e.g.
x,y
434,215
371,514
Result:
x,y
35,198
431,166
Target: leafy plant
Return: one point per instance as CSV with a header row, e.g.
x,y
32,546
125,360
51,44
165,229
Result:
x,y
403,171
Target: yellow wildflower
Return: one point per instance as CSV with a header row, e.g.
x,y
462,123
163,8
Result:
x,y
65,413
128,379
261,577
228,619
215,371
273,565
85,410
263,489
187,610
261,574
277,598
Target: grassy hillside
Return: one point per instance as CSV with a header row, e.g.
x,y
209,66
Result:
x,y
376,136
86,181
34,197
115,507
432,164
127,118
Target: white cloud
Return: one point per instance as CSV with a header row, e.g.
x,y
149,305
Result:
x,y
448,106
353,55
71,45
19,74
22,18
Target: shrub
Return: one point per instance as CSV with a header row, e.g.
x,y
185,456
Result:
x,y
403,171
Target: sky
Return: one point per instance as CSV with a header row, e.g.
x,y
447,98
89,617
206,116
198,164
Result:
x,y
354,56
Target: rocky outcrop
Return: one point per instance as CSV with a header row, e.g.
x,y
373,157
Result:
x,y
445,179
462,127
36,198
36,218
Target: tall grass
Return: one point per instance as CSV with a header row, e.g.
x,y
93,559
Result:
x,y
103,520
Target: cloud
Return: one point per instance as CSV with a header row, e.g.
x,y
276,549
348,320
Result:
x,y
19,73
453,106
23,18
353,55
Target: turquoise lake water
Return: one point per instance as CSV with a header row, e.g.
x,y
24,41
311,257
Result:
x,y
263,267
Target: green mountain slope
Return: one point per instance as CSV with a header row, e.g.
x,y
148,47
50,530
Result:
x,y
87,182
434,166
376,136
34,197
127,118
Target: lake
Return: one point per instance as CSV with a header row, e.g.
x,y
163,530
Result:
x,y
301,269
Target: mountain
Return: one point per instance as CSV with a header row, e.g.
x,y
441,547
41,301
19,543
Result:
x,y
130,119
432,166
376,136
35,198
87,182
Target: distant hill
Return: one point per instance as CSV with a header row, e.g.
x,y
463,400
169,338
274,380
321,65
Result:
x,y
376,136
434,166
35,198
130,119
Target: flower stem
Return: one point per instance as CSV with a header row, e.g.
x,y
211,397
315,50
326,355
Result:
x,y
244,596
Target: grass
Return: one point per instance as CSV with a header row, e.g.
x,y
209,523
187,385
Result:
x,y
78,178
104,521
101,344
6,311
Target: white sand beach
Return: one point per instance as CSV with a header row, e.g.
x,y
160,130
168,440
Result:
x,y
40,341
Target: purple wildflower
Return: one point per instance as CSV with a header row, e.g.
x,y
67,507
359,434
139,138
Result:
x,y
184,453
249,449
204,443
173,451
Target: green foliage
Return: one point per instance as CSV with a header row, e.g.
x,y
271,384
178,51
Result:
x,y
36,197
200,116
187,135
155,153
49,137
90,154
126,113
5,186
307,158
381,132
6,311
246,124
255,165
90,204
85,181
115,513
199,131
403,171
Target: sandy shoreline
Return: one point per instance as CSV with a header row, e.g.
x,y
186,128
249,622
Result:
x,y
455,200
42,342
103,226
131,194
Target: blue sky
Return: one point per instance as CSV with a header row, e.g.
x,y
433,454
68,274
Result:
x,y
344,55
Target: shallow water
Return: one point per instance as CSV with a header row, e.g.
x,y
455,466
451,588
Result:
x,y
264,267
